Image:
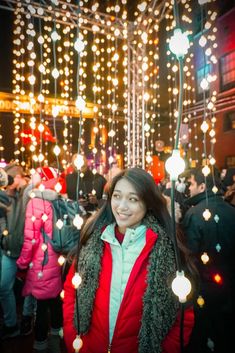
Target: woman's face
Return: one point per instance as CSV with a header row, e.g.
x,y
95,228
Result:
x,y
127,207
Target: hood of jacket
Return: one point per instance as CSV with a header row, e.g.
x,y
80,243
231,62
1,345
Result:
x,y
46,194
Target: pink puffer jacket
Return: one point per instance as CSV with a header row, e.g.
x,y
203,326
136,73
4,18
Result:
x,y
42,281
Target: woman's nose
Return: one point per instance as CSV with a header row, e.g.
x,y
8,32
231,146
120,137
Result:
x,y
123,204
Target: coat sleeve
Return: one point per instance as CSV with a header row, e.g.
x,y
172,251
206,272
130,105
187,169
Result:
x,y
31,236
171,343
68,311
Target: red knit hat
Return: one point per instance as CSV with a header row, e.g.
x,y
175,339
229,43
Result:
x,y
47,173
50,177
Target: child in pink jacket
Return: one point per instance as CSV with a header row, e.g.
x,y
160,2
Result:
x,y
43,279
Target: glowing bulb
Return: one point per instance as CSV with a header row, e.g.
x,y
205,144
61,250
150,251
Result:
x,y
55,110
44,217
76,280
55,36
79,161
41,188
44,247
62,292
80,103
58,187
214,189
61,260
212,161
41,127
181,286
202,41
77,344
206,170
79,45
41,98
78,221
55,73
206,214
111,159
59,224
175,165
217,278
56,150
205,258
200,301
204,127
32,79
204,84
179,43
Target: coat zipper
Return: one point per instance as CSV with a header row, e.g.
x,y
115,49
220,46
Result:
x,y
109,348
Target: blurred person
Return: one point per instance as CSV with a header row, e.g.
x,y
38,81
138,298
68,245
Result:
x,y
126,261
84,186
43,278
12,241
214,239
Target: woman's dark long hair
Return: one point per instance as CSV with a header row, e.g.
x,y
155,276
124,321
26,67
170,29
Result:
x,y
147,191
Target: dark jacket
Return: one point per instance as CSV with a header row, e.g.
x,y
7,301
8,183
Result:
x,y
216,237
12,243
85,186
4,205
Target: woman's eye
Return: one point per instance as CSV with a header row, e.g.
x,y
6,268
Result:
x,y
133,199
116,196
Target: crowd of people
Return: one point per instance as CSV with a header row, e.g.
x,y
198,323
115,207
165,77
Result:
x,y
125,260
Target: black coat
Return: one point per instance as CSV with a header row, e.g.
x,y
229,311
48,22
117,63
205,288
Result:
x,y
85,186
216,237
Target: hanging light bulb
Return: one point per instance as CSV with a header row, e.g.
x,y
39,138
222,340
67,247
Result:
x,y
200,301
181,286
206,170
56,150
78,221
77,344
179,43
204,127
58,187
44,247
41,187
41,98
80,103
205,258
206,214
175,165
79,45
78,161
59,224
55,73
61,260
76,280
55,36
204,84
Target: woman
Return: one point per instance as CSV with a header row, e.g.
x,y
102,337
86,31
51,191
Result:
x,y
126,262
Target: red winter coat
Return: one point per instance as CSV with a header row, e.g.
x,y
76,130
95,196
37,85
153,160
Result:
x,y
125,337
31,257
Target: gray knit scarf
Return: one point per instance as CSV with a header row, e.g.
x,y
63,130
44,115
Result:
x,y
160,304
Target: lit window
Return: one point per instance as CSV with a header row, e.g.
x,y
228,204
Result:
x,y
227,71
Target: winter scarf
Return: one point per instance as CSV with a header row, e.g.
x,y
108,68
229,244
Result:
x,y
160,304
